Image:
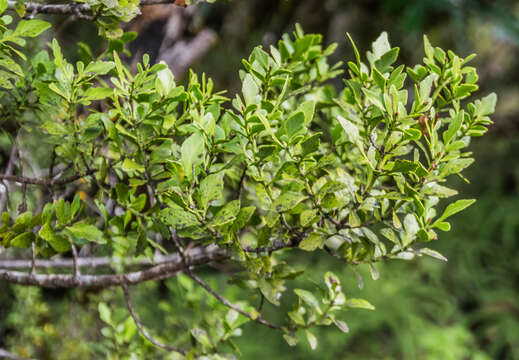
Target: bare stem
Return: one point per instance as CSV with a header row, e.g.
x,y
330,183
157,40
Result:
x,y
141,328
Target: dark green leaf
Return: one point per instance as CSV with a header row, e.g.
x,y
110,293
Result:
x,y
287,201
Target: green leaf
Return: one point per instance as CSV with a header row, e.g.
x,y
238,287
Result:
x,y
355,50
390,235
59,90
250,90
105,313
351,129
311,242
287,201
191,153
436,189
24,240
99,67
295,124
308,298
387,60
54,128
406,166
130,165
308,217
19,7
487,105
165,82
412,134
139,202
464,90
244,216
86,231
3,5
442,225
31,28
429,50
381,46
266,123
297,317
453,128
266,150
375,98
411,227
98,93
227,214
433,253
46,232
178,218
426,87
341,325
291,340
9,64
211,188
308,108
455,166
379,79
63,212
331,186
311,144
57,242
201,336
454,208
312,340
269,291
359,303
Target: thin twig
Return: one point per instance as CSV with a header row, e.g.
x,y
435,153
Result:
x,y
9,170
241,184
75,262
227,303
262,301
79,9
33,258
23,205
5,196
141,328
45,182
206,286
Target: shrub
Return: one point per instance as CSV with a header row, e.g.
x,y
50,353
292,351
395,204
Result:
x,y
132,170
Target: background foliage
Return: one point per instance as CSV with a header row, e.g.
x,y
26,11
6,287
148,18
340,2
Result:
x,y
466,308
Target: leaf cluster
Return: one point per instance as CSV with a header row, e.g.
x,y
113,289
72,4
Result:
x,y
289,162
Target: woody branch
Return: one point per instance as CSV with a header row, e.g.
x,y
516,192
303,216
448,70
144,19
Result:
x,y
76,8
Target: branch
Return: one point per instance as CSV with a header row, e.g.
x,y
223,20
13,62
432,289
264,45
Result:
x,y
202,283
78,9
229,304
165,267
9,170
45,182
141,328
158,272
88,262
7,355
185,52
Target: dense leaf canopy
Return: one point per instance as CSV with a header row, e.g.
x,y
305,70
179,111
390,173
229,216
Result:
x,y
155,178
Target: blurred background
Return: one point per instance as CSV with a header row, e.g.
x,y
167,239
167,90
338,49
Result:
x,y
467,308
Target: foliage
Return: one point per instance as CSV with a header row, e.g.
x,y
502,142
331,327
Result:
x,y
288,163
431,308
